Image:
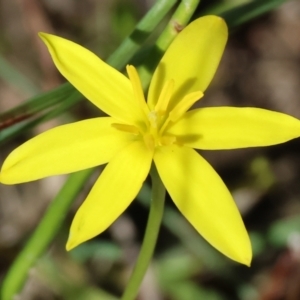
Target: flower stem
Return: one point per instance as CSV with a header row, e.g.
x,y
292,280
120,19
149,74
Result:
x,y
178,21
140,34
41,238
149,242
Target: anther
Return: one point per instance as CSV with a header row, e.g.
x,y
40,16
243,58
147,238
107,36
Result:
x,y
126,128
137,87
184,105
165,96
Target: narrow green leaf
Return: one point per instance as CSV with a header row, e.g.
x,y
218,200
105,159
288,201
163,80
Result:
x,y
43,235
14,78
244,13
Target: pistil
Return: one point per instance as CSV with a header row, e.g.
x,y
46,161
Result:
x,y
156,121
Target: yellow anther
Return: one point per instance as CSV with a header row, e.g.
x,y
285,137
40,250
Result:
x,y
184,105
137,88
164,97
126,128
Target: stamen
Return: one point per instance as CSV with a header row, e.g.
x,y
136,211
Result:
x,y
184,105
164,97
181,108
137,87
127,128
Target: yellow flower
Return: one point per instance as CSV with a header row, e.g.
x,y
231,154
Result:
x,y
161,129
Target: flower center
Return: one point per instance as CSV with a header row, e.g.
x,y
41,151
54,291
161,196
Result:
x,y
154,130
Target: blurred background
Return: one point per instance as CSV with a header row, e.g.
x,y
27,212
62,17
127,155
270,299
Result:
x,y
260,68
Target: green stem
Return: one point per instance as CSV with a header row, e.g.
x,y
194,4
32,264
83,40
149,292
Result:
x,y
141,32
151,234
178,21
44,233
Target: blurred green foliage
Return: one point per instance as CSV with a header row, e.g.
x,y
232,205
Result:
x,y
186,267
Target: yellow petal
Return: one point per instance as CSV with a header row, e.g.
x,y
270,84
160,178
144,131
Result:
x,y
104,86
116,187
201,196
64,149
233,127
191,60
